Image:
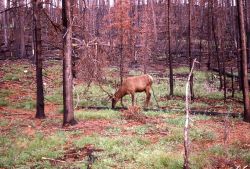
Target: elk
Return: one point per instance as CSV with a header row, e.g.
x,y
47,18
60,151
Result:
x,y
134,84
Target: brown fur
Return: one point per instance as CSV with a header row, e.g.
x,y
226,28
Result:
x,y
134,84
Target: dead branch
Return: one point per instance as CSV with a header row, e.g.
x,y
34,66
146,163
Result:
x,y
186,127
51,159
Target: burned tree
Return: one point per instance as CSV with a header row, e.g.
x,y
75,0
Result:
x,y
68,114
244,74
37,6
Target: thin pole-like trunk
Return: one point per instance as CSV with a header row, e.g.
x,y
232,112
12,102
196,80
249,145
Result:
x,y
209,34
248,28
68,114
232,82
224,71
244,74
154,19
217,48
37,6
190,46
168,52
5,25
186,127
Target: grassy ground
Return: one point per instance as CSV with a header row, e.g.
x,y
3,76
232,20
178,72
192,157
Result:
x,y
108,138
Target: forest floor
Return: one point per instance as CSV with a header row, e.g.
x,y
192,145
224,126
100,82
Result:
x,y
126,138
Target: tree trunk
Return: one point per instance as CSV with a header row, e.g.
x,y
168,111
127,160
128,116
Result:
x,y
209,34
68,114
168,52
190,46
248,29
5,26
37,6
154,19
217,47
244,61
19,31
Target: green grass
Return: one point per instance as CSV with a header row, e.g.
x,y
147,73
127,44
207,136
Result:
x,y
25,151
160,159
17,72
4,93
102,114
27,104
130,152
3,102
123,146
95,96
55,96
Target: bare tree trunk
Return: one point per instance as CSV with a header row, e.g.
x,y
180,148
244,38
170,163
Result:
x,y
243,43
37,6
154,19
209,34
6,26
68,115
232,82
217,46
186,127
19,40
248,29
168,52
190,45
224,71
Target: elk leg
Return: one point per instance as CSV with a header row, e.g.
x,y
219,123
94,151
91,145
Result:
x,y
133,99
148,96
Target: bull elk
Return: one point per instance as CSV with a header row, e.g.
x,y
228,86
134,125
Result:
x,y
134,84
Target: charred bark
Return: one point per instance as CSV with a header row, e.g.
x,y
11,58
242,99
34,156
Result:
x,y
244,74
68,114
37,6
168,52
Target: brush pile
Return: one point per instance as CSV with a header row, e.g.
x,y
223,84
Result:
x,y
134,113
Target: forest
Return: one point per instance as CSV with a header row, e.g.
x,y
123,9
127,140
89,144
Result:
x,y
125,84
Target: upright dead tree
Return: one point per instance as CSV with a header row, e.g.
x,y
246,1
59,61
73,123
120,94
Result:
x,y
190,45
243,44
68,114
37,6
19,29
186,127
168,51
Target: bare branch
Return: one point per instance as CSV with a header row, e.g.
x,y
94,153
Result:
x,y
186,127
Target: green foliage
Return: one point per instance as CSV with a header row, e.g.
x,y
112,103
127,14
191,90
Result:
x,y
181,70
175,136
102,114
130,152
3,102
198,134
178,121
28,104
158,159
140,130
113,131
55,97
24,151
17,72
153,113
200,160
10,77
4,122
5,93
